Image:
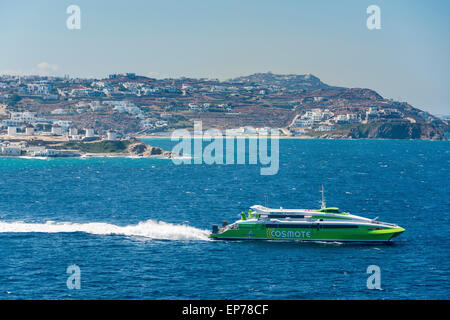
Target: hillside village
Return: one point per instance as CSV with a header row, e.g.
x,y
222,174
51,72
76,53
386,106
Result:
x,y
125,106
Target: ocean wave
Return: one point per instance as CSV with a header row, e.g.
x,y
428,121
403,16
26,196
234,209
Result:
x,y
148,229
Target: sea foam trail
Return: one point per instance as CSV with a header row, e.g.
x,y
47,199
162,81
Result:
x,y
149,229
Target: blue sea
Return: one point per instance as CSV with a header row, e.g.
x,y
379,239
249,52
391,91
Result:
x,y
137,228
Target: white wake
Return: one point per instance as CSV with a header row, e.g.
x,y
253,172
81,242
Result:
x,y
149,229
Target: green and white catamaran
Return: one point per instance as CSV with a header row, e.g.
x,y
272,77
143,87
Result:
x,y
325,224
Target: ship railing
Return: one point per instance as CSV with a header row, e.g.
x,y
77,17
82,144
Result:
x,y
385,223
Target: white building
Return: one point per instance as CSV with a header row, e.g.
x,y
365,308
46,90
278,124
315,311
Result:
x,y
29,131
73,131
75,137
304,122
89,133
318,99
12,131
64,123
250,130
324,128
352,117
37,151
372,113
82,92
57,130
10,151
10,123
39,88
340,118
194,107
51,152
161,123
111,135
316,115
234,132
147,124
299,131
23,116
346,118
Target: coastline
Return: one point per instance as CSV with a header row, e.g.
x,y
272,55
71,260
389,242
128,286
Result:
x,y
88,156
167,154
55,148
226,137
121,155
283,137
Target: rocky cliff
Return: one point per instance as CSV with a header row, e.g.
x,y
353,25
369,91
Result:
x,y
141,149
397,130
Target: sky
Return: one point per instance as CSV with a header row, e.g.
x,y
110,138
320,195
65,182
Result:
x,y
406,60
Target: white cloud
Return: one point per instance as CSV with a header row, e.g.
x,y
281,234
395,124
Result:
x,y
45,66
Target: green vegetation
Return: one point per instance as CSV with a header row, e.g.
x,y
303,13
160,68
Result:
x,y
178,122
99,146
363,130
181,124
12,101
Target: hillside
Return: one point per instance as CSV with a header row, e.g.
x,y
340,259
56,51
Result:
x,y
132,105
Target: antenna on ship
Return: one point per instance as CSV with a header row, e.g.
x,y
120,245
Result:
x,y
323,204
265,198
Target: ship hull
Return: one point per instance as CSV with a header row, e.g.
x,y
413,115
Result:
x,y
313,232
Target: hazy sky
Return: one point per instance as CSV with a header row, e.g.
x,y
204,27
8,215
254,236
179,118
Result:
x,y
408,59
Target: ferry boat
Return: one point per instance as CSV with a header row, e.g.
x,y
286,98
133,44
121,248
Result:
x,y
324,224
